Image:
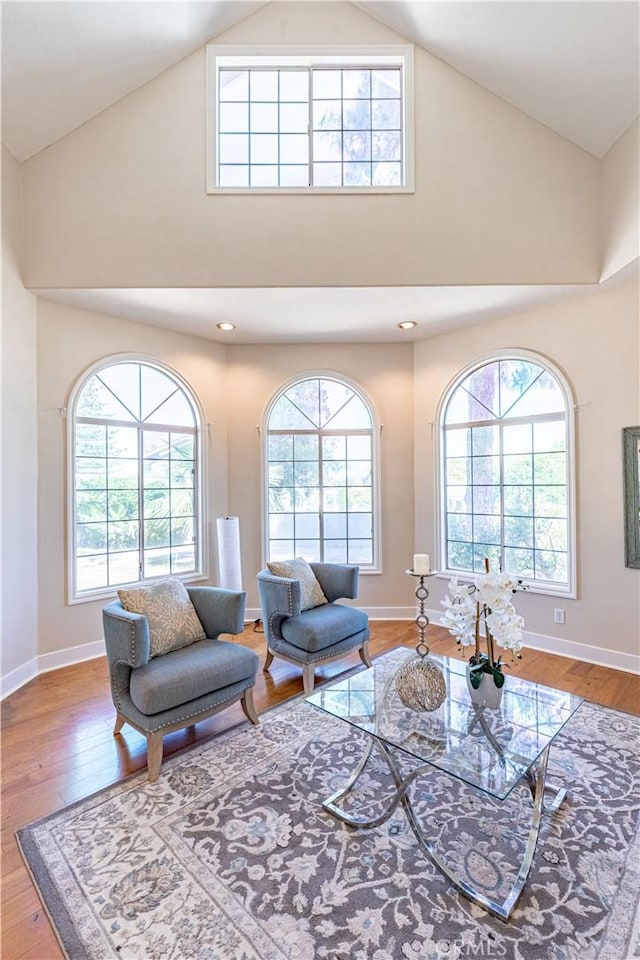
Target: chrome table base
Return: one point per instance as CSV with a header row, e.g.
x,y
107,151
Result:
x,y
535,778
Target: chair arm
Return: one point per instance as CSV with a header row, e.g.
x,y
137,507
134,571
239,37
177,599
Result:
x,y
126,635
279,594
279,598
337,579
219,610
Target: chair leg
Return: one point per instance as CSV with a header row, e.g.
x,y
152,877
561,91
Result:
x,y
248,706
365,656
120,722
154,754
268,660
308,678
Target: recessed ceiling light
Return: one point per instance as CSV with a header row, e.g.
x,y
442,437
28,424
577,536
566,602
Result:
x,y
407,325
226,326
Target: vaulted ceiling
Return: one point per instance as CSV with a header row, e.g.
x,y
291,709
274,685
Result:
x,y
573,66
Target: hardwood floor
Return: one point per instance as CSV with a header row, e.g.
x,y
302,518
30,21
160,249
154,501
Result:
x,y
58,746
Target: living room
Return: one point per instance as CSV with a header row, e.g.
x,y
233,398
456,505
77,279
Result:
x,y
513,238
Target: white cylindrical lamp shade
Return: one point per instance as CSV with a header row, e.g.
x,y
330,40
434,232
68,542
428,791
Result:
x,y
229,564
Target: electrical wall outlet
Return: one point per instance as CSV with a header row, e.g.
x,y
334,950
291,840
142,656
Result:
x,y
558,614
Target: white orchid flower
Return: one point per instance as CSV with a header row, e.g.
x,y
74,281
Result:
x,y
489,599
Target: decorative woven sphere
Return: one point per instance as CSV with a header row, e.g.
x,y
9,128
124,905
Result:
x,y
420,685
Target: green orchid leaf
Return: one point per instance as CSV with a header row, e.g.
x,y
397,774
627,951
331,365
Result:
x,y
498,678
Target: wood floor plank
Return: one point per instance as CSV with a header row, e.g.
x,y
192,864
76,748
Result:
x,y
14,882
58,746
30,937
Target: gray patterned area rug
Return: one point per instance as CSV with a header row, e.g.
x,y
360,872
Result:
x,y
230,856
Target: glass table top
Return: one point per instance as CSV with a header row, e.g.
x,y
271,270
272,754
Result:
x,y
489,749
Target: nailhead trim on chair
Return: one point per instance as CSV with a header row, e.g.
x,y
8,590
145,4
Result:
x,y
287,613
276,615
186,716
132,636
279,613
327,656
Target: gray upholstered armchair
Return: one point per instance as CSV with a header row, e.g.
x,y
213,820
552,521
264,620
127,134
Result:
x,y
319,634
157,694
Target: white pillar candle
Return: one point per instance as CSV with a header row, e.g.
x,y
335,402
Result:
x,y
421,563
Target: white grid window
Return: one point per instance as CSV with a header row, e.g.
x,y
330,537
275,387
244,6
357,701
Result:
x,y
321,497
135,503
506,469
309,123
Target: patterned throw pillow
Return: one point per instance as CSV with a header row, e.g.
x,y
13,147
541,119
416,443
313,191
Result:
x,y
173,621
311,594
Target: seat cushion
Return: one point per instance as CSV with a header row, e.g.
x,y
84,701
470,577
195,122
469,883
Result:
x,y
321,627
173,621
183,675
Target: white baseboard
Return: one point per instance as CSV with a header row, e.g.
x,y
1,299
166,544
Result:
x,y
17,678
71,655
601,656
391,613
374,613
49,661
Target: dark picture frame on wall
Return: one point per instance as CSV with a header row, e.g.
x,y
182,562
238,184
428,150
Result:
x,y
631,468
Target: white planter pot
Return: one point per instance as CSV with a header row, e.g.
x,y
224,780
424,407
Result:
x,y
487,694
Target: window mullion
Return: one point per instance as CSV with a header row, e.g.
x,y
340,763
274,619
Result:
x,y
249,102
342,145
310,126
279,133
141,501
501,462
320,497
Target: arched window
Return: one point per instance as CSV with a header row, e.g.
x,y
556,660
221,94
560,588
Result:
x,y
320,457
135,479
506,490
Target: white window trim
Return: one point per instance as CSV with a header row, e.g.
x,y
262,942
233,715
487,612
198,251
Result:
x,y
304,55
569,591
202,567
376,566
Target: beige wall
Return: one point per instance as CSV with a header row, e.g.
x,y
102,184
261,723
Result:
x,y
19,617
620,187
594,341
499,197
385,374
69,341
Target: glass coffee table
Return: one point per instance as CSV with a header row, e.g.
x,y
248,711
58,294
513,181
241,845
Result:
x,y
490,750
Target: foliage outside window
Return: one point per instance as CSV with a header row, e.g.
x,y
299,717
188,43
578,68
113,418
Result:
x,y
135,500
506,474
320,474
309,122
